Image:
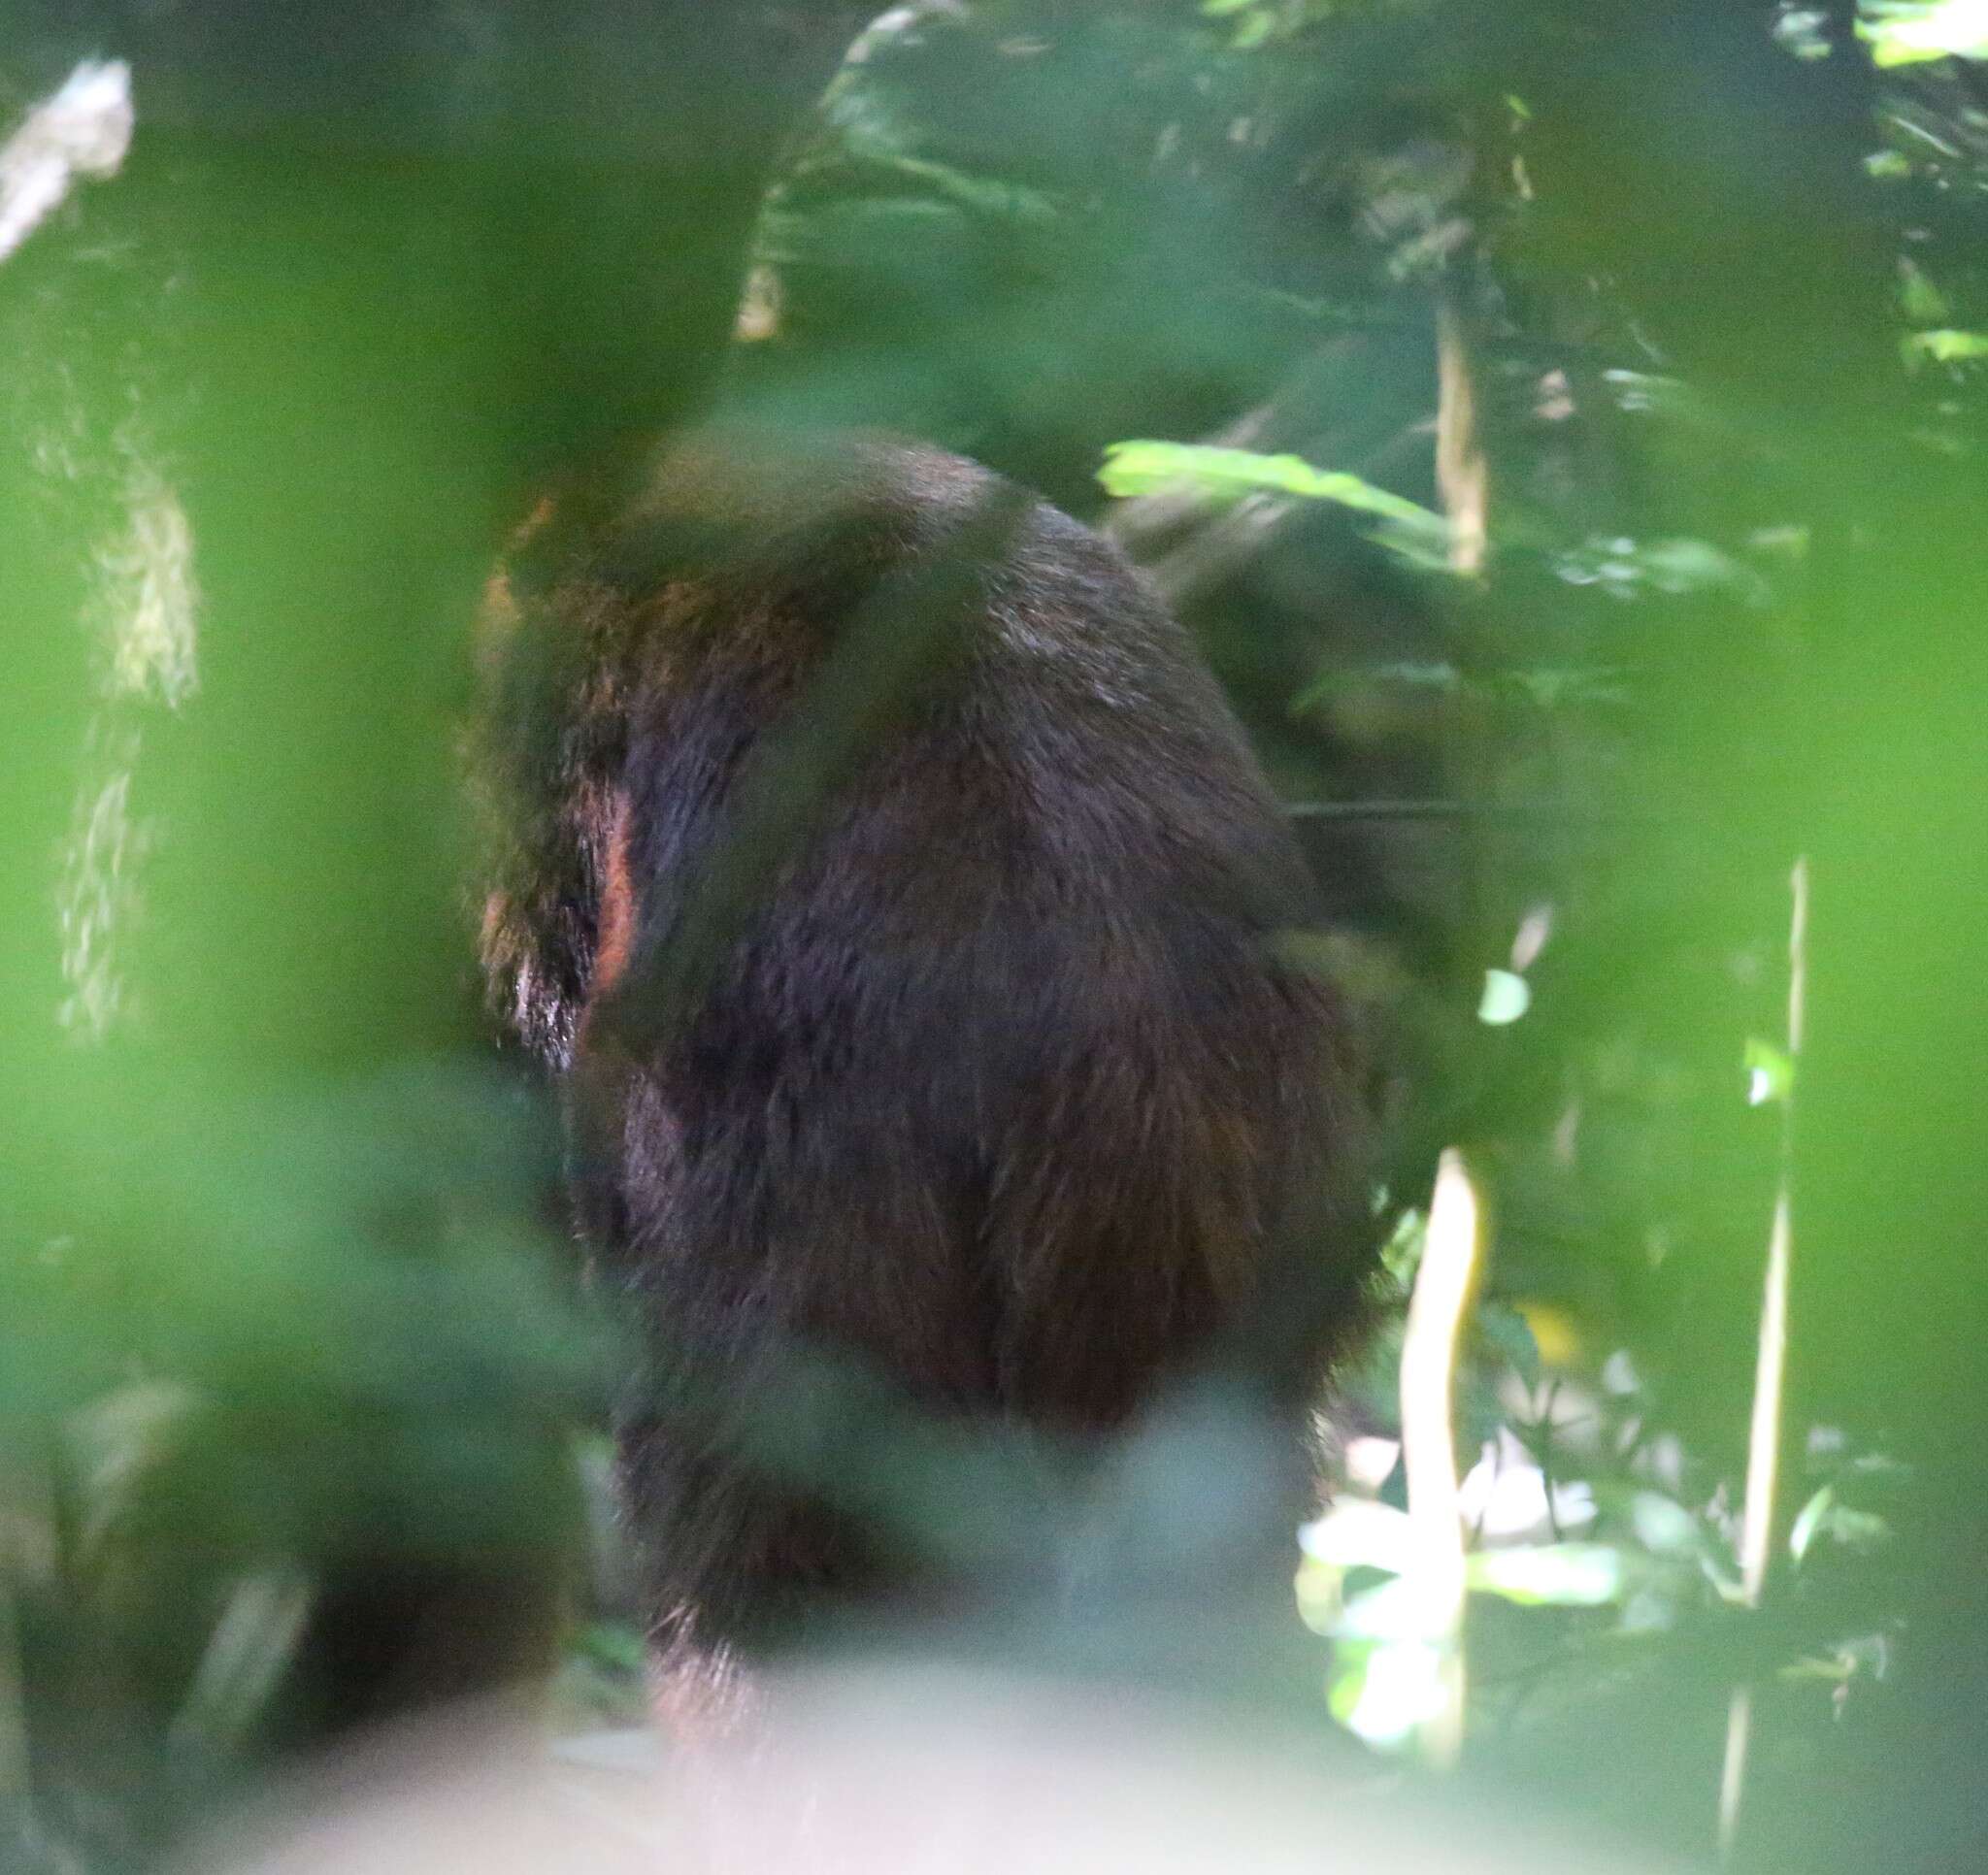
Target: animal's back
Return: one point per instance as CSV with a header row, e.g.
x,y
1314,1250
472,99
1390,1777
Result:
x,y
1003,1087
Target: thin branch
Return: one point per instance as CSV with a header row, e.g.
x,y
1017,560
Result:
x,y
1761,1515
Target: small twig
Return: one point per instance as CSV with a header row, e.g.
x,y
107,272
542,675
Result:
x,y
1761,1512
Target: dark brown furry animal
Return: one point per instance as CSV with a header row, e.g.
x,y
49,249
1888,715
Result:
x,y
988,1074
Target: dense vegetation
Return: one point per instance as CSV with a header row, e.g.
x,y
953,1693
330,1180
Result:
x,y
1562,425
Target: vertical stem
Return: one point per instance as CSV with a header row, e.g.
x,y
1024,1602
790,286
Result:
x,y
1462,478
1761,1514
1462,484
1450,1258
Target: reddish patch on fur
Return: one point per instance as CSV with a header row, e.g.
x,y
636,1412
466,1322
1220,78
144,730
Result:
x,y
614,920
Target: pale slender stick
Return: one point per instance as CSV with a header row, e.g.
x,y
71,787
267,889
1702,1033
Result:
x,y
1462,474
1760,1513
1451,1254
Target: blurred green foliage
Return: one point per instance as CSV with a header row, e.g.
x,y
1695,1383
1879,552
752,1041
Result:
x,y
289,1342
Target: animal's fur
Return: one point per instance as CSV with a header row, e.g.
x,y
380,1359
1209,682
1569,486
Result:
x,y
1002,1084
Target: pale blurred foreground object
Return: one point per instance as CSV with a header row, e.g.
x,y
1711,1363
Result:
x,y
878,1768
83,130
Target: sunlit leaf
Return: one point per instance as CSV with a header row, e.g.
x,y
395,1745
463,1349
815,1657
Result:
x,y
1409,1607
1800,31
1506,997
1808,1519
1947,345
1571,1575
1389,1690
1769,1072
1908,32
1661,1524
1919,299
1357,1533
1140,468
1401,1256
1824,1515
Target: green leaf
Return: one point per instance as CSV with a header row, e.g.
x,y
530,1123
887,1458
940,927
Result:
x,y
1808,1521
1381,1693
1360,1534
1401,1256
1769,1072
1139,468
1946,346
1824,1516
1922,301
1662,1524
1411,1608
1908,32
1509,1335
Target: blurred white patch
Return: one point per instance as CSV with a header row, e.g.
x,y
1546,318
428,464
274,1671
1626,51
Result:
x,y
896,1768
1619,1374
148,597
1506,997
1370,1460
1504,1497
1535,928
83,130
93,900
144,612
